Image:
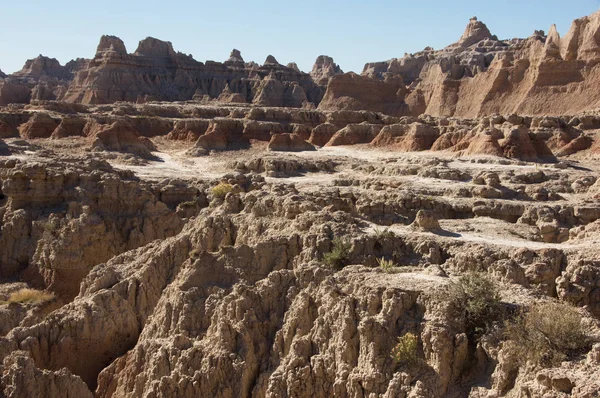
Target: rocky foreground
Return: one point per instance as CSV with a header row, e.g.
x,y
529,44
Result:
x,y
185,247
173,228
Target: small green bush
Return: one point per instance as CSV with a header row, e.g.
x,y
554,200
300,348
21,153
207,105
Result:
x,y
195,254
406,351
221,190
383,234
338,256
547,334
386,265
477,299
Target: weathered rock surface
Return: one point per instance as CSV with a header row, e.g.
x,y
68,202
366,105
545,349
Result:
x,y
350,91
481,75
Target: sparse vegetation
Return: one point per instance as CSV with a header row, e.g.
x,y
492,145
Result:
x,y
195,254
406,351
547,333
221,190
383,234
477,299
338,256
29,296
386,265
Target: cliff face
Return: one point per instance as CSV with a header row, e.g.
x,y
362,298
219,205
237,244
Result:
x,y
480,75
156,72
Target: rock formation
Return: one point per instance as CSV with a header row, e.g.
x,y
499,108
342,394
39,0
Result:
x,y
481,75
350,91
289,143
105,79
324,69
242,242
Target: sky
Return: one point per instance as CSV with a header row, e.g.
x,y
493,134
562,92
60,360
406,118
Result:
x,y
352,32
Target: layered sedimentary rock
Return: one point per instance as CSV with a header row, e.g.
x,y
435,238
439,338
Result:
x,y
350,91
481,75
156,72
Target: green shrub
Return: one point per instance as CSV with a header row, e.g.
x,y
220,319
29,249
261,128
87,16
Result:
x,y
406,351
221,190
386,265
195,254
547,334
477,299
383,234
338,256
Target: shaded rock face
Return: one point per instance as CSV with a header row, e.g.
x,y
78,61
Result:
x,y
2,74
43,67
289,143
41,125
13,93
156,72
354,92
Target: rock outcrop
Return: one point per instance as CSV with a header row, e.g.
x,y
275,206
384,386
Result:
x,y
120,136
323,69
289,143
350,91
156,72
481,75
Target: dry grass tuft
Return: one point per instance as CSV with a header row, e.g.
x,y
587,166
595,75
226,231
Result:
x,y
547,334
30,296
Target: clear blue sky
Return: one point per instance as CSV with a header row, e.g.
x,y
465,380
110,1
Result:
x,y
352,32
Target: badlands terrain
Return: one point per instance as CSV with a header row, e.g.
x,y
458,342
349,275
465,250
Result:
x,y
428,228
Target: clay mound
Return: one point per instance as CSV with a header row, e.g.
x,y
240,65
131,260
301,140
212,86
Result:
x,y
69,127
289,143
517,144
484,144
470,143
321,134
350,91
188,129
120,136
40,125
4,149
407,137
353,134
223,134
229,97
